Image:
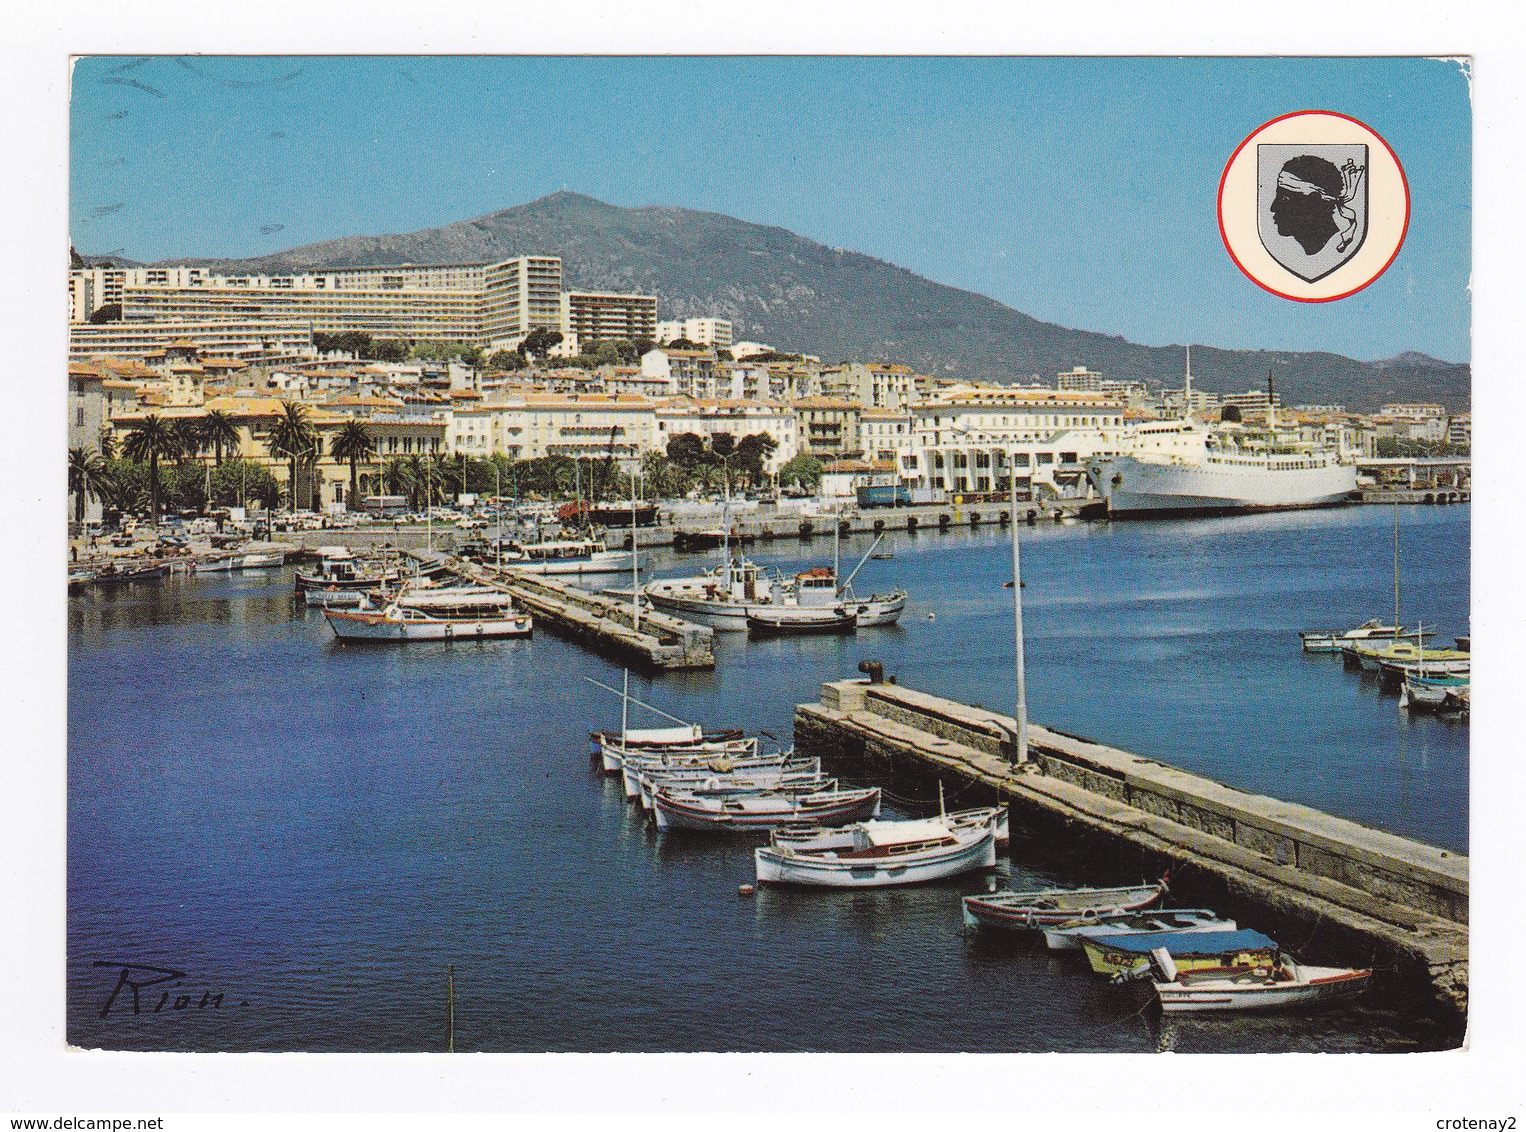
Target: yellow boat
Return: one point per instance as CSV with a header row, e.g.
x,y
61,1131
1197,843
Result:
x,y
1403,653
1123,955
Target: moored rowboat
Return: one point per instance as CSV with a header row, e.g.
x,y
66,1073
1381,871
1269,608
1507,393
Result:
x,y
1018,911
882,854
397,624
762,812
1286,985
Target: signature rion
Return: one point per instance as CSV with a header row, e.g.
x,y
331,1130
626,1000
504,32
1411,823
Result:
x,y
139,977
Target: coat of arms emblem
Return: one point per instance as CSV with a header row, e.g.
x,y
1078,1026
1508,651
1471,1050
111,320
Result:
x,y
1311,205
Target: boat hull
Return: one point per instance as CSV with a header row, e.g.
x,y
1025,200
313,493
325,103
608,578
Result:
x,y
361,627
1315,986
782,866
674,812
1134,488
602,562
1057,908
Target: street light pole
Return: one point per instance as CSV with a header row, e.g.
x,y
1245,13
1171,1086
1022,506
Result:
x,y
1020,744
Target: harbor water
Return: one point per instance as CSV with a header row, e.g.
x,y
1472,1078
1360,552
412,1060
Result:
x,y
282,843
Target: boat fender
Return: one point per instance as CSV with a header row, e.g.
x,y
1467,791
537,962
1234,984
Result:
x,y
1028,917
1089,915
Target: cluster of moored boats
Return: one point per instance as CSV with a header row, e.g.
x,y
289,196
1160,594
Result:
x,y
374,599
825,834
1193,959
1428,679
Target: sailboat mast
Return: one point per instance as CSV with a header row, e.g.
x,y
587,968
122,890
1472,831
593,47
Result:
x,y
635,564
1396,567
1187,389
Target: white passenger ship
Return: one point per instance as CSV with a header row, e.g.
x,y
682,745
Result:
x,y
1179,469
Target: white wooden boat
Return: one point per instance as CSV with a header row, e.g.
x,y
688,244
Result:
x,y
442,598
339,568
632,768
657,738
1054,907
332,597
398,624
1068,937
762,812
576,556
1397,655
250,556
803,777
1285,985
818,838
706,752
880,609
883,853
1331,640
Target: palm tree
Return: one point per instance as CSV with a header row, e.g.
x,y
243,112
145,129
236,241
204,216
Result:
x,y
108,444
150,439
294,437
353,443
220,430
89,478
188,438
397,478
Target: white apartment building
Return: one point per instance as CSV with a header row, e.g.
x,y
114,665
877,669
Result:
x,y
706,418
887,435
1414,412
248,340
480,303
701,331
529,426
975,439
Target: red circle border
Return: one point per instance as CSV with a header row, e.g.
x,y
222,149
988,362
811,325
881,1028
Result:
x,y
1224,236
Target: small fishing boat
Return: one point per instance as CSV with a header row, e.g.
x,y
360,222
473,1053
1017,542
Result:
x,y
795,620
709,753
1331,640
781,779
1055,907
1068,937
1398,655
439,599
719,598
882,854
1285,984
338,568
576,556
1123,956
332,597
658,738
80,578
820,838
762,812
113,574
800,775
883,555
395,623
1436,693
632,768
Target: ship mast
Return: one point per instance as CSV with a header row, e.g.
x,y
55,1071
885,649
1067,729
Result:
x,y
1187,391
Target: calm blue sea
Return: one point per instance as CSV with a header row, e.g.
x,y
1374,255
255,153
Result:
x,y
315,833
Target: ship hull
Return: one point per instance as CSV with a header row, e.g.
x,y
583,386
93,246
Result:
x,y
1135,488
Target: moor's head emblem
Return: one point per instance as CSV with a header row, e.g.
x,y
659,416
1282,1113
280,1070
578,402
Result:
x,y
1311,205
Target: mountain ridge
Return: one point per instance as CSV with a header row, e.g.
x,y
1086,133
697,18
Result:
x,y
802,296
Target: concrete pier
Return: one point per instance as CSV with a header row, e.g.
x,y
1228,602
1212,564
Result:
x,y
1330,890
661,641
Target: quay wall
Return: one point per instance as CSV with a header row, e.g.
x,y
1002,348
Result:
x,y
1340,891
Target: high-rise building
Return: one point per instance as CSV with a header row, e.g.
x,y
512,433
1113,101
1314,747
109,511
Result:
x,y
599,316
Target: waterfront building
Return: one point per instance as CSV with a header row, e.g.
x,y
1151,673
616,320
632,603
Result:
x,y
974,439
1080,380
828,427
1460,430
527,425
708,418
601,316
714,332
888,436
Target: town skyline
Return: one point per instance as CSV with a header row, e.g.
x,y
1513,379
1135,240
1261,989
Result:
x,y
1074,258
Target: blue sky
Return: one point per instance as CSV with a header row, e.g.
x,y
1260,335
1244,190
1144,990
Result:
x,y
1079,191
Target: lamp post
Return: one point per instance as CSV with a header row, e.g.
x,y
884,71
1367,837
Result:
x,y
498,510
1021,697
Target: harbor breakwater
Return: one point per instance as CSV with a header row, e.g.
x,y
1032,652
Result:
x,y
1329,889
